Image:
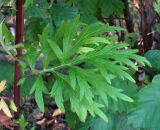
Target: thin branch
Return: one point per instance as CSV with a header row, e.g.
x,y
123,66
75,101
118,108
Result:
x,y
6,98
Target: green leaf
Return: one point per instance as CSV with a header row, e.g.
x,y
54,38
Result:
x,y
39,88
109,7
1,31
56,92
73,79
72,27
86,6
84,113
124,97
7,34
97,123
157,7
146,113
55,48
45,46
100,113
117,121
32,28
96,41
66,13
157,25
36,8
129,89
13,106
153,57
39,99
22,122
105,75
92,30
88,19
78,107
116,93
82,85
27,85
127,62
31,57
28,3
121,122
86,84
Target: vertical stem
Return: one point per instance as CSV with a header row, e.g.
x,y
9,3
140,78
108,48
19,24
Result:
x,y
19,39
146,25
128,17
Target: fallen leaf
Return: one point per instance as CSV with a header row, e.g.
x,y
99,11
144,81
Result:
x,y
41,122
5,108
6,121
2,85
57,112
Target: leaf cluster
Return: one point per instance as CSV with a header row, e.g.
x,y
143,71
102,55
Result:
x,y
83,61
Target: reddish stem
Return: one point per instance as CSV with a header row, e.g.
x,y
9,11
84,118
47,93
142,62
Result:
x,y
19,39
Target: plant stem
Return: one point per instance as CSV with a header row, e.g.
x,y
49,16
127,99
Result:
x,y
53,68
5,98
128,17
19,39
61,66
